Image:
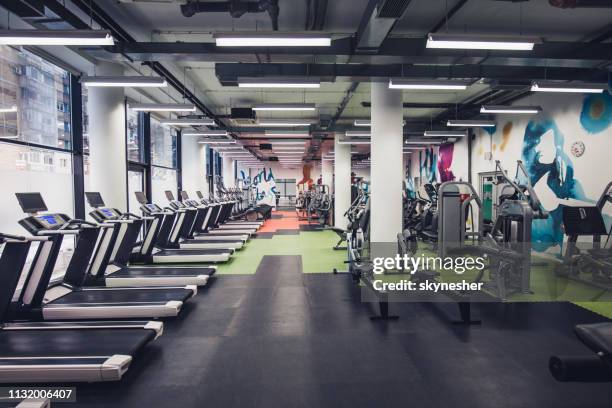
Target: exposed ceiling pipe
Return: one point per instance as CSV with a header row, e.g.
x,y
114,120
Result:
x,y
236,8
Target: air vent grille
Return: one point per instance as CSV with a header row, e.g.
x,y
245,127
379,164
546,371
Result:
x,y
392,8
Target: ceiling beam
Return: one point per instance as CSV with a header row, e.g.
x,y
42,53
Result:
x,y
228,74
107,22
400,47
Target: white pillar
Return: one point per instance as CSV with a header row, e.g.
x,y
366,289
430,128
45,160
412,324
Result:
x,y
327,170
387,162
107,145
229,179
193,166
342,182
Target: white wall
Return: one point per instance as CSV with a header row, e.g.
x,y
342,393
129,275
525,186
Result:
x,y
566,119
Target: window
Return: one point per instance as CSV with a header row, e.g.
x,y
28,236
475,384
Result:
x,y
163,145
40,91
163,180
135,152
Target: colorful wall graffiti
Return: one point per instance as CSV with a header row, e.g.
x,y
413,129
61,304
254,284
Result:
x,y
265,186
566,151
427,166
445,161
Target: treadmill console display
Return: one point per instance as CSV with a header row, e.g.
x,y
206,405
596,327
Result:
x,y
109,213
44,222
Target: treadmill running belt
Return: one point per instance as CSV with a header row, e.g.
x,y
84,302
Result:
x,y
124,296
55,343
191,252
178,272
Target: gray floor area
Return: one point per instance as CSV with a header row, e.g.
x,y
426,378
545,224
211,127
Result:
x,y
281,338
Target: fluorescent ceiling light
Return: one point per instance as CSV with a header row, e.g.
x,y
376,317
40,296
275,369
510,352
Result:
x,y
354,141
124,81
285,107
285,142
287,133
162,107
420,142
357,133
215,141
9,137
362,122
206,133
278,83
274,39
510,109
284,122
470,123
188,122
432,84
9,109
482,42
573,87
55,37
444,133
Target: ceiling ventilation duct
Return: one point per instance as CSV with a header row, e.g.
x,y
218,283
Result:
x,y
580,3
392,8
236,8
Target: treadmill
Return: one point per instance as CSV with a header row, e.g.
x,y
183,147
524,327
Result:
x,y
52,352
118,273
207,227
195,215
165,250
68,299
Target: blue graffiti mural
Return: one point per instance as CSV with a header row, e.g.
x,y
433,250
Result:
x,y
596,112
544,157
265,185
428,164
409,181
490,130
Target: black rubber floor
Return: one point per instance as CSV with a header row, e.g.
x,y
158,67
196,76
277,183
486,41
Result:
x,y
281,338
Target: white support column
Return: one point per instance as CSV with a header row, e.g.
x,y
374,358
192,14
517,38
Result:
x,y
342,182
387,162
194,166
229,179
327,170
107,158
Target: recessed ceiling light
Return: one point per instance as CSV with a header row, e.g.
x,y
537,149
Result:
x,y
188,122
444,133
432,84
206,133
124,81
482,42
285,107
284,122
357,133
510,109
55,37
162,107
568,87
273,39
470,123
278,83
9,109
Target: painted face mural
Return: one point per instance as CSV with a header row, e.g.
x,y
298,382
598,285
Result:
x,y
409,181
551,172
266,188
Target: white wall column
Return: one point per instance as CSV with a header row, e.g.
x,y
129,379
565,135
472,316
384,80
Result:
x,y
342,182
107,158
229,179
386,171
193,166
327,170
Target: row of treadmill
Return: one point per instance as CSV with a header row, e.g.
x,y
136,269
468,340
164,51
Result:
x,y
126,274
